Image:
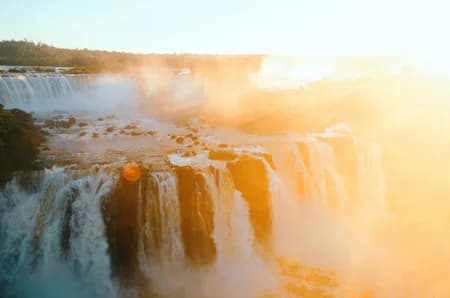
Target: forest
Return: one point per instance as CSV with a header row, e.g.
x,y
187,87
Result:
x,y
28,53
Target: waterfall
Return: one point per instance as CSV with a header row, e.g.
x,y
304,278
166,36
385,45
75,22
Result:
x,y
237,267
44,94
24,89
239,264
221,224
318,192
53,236
160,240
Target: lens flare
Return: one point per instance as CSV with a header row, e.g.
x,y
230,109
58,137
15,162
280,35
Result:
x,y
131,172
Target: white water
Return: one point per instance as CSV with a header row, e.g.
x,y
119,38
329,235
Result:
x,y
93,94
239,267
164,206
310,230
306,227
33,221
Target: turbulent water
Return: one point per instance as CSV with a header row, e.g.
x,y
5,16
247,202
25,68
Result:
x,y
195,226
53,236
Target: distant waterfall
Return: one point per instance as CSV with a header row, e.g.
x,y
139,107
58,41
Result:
x,y
21,90
43,94
53,241
323,184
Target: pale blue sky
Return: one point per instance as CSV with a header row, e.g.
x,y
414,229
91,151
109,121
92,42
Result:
x,y
303,27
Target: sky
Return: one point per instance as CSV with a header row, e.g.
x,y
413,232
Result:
x,y
289,27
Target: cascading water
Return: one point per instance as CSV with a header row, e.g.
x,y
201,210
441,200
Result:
x,y
53,225
197,227
20,90
160,215
47,93
238,264
53,240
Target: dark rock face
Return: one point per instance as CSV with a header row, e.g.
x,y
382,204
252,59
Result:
x,y
123,228
197,222
72,194
20,139
250,177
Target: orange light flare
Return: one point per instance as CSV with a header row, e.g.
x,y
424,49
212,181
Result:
x,y
131,172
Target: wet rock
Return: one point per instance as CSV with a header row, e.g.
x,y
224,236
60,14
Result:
x,y
110,129
189,153
251,178
222,155
130,126
192,137
71,195
71,121
20,139
120,214
196,210
60,123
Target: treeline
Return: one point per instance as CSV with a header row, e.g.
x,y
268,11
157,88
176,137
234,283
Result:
x,y
28,53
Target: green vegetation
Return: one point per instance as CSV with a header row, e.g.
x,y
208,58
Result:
x,y
75,70
87,61
41,69
19,142
17,70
